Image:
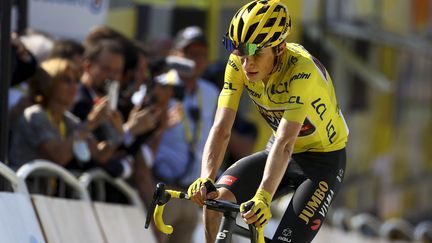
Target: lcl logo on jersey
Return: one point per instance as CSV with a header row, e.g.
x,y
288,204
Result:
x,y
279,88
229,86
295,100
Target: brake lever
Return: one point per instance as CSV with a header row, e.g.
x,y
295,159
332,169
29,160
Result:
x,y
158,196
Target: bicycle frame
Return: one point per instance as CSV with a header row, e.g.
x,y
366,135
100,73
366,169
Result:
x,y
228,225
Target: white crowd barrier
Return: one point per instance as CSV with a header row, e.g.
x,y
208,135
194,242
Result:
x,y
60,220
64,220
18,221
121,223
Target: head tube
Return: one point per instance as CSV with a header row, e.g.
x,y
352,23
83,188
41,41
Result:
x,y
244,49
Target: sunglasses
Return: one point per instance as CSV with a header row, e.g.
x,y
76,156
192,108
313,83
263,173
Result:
x,y
244,49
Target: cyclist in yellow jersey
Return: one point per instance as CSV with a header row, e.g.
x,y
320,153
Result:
x,y
294,93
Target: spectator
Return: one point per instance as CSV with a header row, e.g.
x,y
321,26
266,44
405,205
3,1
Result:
x,y
178,158
47,130
133,78
38,43
103,61
69,49
23,67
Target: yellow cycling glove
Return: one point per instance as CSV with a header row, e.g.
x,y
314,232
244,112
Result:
x,y
196,185
260,206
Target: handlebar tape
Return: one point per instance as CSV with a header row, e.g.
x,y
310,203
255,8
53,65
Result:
x,y
260,231
166,229
168,194
178,194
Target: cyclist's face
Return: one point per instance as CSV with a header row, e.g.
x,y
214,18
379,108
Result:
x,y
258,66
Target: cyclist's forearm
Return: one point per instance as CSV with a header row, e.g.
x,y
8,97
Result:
x,y
217,142
275,168
280,153
214,151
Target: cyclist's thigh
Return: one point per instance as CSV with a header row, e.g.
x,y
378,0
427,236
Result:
x,y
311,200
244,176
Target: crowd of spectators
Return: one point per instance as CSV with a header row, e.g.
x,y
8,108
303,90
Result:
x,y
108,102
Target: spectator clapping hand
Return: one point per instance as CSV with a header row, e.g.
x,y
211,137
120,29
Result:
x,y
116,119
141,121
98,114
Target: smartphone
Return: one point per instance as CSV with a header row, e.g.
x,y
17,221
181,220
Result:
x,y
113,93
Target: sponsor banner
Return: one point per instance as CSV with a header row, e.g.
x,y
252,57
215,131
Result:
x,y
67,18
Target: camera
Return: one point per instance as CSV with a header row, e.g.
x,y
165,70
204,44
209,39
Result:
x,y
168,72
184,66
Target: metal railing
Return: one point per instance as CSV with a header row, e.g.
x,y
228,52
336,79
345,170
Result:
x,y
18,185
51,169
98,177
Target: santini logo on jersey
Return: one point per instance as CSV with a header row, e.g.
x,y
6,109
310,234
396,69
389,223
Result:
x,y
233,65
300,76
253,93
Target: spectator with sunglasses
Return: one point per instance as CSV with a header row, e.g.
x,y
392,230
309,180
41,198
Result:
x,y
47,130
294,93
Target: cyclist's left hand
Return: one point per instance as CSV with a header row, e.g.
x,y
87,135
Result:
x,y
260,213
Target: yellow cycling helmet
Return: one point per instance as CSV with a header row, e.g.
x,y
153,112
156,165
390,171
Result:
x,y
258,24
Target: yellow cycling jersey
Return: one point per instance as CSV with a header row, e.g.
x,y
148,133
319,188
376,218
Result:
x,y
300,90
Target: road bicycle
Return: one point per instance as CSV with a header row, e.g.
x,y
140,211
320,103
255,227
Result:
x,y
228,226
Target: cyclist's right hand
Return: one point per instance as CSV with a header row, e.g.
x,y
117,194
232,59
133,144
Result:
x,y
201,190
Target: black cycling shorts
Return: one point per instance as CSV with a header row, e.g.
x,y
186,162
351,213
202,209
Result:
x,y
314,176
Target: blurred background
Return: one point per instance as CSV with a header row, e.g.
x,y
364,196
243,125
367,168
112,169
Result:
x,y
378,52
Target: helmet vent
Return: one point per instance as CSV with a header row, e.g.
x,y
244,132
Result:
x,y
275,36
278,8
270,22
250,32
260,38
239,29
251,6
282,22
262,10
